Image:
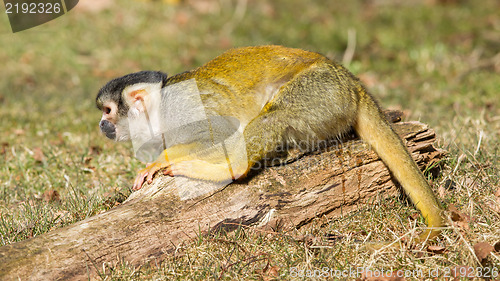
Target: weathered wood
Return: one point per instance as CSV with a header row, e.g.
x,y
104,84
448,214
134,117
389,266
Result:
x,y
154,219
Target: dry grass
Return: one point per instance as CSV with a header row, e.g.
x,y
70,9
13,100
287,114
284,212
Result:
x,y
437,61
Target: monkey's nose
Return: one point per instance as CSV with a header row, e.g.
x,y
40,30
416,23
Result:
x,y
108,129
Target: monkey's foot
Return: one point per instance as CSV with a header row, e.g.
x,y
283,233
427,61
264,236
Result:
x,y
148,173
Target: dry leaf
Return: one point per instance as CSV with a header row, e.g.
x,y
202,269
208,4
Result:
x,y
19,132
274,271
455,215
95,150
3,148
482,250
51,195
271,273
441,192
38,155
86,161
461,220
436,249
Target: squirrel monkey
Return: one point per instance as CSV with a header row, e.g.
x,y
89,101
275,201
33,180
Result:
x,y
280,96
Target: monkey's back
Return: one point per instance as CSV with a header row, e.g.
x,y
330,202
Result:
x,y
248,78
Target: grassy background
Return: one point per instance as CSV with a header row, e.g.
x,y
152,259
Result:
x,y
439,61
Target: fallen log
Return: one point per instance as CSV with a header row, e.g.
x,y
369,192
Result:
x,y
327,183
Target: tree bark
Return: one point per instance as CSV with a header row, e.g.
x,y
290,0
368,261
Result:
x,y
330,182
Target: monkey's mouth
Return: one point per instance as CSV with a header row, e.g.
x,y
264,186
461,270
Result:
x,y
110,135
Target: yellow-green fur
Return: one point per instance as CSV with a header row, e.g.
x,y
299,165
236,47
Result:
x,y
235,84
286,97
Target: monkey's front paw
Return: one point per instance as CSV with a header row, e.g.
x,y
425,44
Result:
x,y
148,173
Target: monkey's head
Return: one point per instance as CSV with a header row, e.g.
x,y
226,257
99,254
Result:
x,y
132,93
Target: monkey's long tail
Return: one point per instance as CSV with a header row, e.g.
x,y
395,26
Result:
x,y
373,128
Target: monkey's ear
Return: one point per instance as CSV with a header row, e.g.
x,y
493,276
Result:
x,y
139,95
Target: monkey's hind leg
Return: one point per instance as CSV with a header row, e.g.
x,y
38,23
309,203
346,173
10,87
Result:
x,y
308,110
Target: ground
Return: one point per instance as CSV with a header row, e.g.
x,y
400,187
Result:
x,y
436,60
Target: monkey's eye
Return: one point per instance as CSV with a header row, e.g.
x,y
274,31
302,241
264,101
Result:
x,y
107,110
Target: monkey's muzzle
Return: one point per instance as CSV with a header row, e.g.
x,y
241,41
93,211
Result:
x,y
108,129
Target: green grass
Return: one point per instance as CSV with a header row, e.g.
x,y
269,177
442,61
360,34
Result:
x,y
440,63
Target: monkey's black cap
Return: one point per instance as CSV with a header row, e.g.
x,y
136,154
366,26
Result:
x,y
114,88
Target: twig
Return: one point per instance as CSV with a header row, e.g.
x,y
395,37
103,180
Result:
x,y
351,46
